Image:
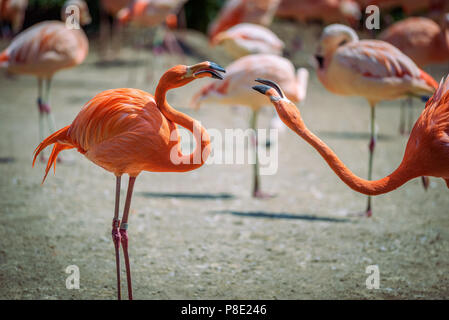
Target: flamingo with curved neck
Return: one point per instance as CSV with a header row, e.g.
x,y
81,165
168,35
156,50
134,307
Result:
x,y
127,131
426,154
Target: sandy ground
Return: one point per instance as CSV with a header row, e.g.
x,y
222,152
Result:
x,y
200,235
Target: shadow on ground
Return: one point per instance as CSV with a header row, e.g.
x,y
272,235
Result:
x,y
281,215
194,196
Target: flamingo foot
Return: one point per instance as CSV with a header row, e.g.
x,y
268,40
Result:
x,y
262,195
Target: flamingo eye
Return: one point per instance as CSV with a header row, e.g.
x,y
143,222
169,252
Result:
x,y
342,42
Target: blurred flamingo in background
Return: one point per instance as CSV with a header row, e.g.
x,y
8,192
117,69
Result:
x,y
145,14
422,40
110,31
426,153
127,131
248,38
12,12
42,50
236,90
326,11
238,11
372,69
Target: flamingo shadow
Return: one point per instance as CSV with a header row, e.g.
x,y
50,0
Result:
x,y
193,196
345,135
7,160
281,215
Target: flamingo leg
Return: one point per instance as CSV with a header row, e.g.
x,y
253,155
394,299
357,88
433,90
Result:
x,y
41,114
257,193
402,118
50,118
372,145
410,114
124,234
116,234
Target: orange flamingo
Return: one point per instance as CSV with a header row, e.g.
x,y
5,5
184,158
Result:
x,y
127,131
372,69
327,11
236,90
42,50
248,38
13,11
238,11
426,153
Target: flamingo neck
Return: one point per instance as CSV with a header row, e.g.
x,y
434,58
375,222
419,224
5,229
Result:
x,y
202,150
290,115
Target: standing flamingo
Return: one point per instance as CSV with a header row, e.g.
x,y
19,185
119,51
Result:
x,y
238,11
12,11
127,131
248,38
42,50
236,90
426,154
372,69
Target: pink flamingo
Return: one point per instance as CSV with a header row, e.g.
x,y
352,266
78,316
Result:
x,y
372,69
42,50
235,89
13,11
248,38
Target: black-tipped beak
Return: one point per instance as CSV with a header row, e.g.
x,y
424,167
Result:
x,y
261,88
271,84
215,66
320,60
213,69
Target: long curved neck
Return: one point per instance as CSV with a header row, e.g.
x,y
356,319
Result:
x,y
202,150
291,117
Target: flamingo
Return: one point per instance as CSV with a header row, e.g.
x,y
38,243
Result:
x,y
236,90
327,11
127,131
13,11
238,11
372,69
109,26
152,13
421,39
248,38
42,50
426,153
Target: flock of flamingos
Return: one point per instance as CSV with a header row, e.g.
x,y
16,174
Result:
x,y
127,131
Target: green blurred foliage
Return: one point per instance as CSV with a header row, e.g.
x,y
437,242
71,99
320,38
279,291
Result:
x,y
199,13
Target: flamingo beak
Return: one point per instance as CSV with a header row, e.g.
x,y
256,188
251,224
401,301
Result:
x,y
208,69
266,85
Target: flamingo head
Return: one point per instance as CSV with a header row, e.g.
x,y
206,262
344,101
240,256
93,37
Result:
x,y
181,75
333,37
271,89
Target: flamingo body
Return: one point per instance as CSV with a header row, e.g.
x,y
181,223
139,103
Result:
x,y
372,69
247,38
327,11
44,49
235,88
421,39
13,11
